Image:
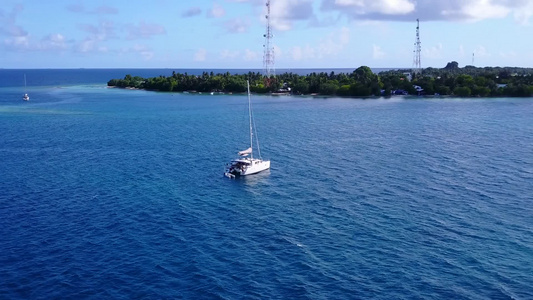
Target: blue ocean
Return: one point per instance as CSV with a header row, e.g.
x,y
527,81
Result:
x,y
120,194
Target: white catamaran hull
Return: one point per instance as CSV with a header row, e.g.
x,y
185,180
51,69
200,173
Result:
x,y
257,167
243,167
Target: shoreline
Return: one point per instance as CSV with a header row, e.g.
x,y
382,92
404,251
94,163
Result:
x,y
315,95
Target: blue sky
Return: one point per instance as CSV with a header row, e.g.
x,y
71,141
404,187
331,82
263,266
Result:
x,y
229,33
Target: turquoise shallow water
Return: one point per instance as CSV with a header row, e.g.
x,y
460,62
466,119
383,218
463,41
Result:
x,y
109,193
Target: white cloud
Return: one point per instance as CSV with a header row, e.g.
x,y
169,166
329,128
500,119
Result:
x,y
90,45
103,31
250,55
344,36
200,55
144,30
377,52
480,51
17,43
302,53
18,39
284,13
144,51
217,11
228,54
297,53
87,45
510,54
331,45
432,10
334,43
53,42
237,25
523,14
433,52
476,10
388,7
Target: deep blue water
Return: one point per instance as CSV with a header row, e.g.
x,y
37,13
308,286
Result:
x,y
111,193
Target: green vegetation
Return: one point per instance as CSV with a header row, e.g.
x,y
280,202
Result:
x,y
362,82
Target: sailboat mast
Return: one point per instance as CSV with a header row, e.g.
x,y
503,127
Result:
x,y
24,83
250,117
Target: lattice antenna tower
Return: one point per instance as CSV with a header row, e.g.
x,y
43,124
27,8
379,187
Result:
x,y
417,65
268,55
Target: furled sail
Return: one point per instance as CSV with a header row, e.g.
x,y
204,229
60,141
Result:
x,y
245,152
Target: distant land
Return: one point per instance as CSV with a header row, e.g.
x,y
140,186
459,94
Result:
x,y
451,80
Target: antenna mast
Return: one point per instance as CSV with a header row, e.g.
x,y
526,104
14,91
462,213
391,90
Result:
x,y
417,66
268,56
473,58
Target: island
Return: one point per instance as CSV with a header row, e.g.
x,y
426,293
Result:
x,y
451,80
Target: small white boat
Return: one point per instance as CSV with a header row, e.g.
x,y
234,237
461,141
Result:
x,y
247,164
26,97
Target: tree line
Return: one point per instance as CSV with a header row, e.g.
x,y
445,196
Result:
x,y
362,82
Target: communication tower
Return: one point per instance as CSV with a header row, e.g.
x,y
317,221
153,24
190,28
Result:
x,y
473,58
268,55
417,66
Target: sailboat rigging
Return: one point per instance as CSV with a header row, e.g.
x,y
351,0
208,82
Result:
x,y
248,165
26,97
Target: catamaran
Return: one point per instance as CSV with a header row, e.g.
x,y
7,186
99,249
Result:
x,y
25,97
247,164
